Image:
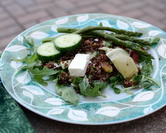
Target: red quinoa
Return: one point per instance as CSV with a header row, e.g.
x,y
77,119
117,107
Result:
x,y
95,69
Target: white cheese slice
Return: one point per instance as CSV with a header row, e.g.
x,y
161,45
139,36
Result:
x,y
123,62
79,65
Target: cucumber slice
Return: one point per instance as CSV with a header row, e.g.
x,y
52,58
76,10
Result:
x,y
47,52
68,42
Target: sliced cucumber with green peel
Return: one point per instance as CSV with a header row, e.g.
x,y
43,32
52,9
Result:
x,y
47,52
68,42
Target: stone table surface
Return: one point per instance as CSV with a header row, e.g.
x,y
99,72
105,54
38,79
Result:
x,y
18,15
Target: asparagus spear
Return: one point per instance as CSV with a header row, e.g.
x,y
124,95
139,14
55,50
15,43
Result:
x,y
117,41
127,44
120,36
141,42
91,28
66,30
136,41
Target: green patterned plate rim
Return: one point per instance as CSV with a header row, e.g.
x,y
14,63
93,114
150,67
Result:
x,y
115,108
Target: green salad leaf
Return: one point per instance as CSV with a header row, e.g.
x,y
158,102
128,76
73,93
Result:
x,y
77,80
68,94
114,81
93,91
147,66
143,78
38,74
69,85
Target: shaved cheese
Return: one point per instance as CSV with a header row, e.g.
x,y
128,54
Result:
x,y
123,62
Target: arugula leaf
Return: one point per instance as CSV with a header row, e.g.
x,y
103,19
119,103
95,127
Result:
x,y
115,80
147,66
87,90
77,80
31,61
146,83
100,24
29,40
27,59
143,78
117,90
84,86
96,90
31,58
38,74
67,93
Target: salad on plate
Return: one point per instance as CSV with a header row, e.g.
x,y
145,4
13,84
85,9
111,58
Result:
x,y
85,61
